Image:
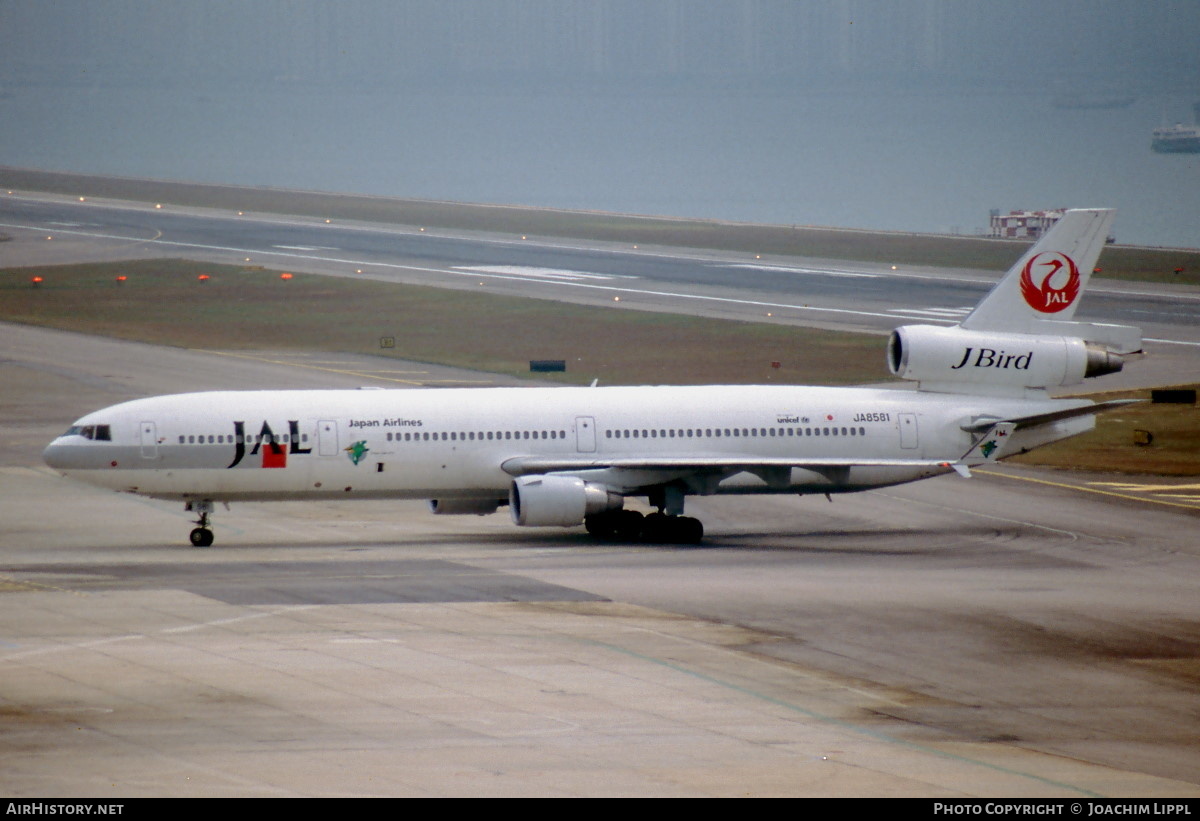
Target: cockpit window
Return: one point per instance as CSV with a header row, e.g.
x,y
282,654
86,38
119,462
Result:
x,y
100,433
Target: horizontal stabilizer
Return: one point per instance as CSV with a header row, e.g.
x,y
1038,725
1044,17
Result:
x,y
1120,339
985,424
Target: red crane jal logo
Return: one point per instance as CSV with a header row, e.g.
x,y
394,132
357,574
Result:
x,y
1050,282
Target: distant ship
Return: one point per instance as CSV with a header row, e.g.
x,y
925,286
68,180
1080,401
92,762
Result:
x,y
1176,139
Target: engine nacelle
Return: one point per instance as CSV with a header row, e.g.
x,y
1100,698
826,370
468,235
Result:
x,y
463,507
562,501
934,355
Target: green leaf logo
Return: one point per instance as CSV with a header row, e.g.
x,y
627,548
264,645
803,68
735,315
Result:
x,y
358,451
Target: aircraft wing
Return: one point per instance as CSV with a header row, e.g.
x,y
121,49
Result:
x,y
629,474
523,466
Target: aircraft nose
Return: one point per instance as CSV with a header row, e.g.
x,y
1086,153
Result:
x,y
57,455
52,455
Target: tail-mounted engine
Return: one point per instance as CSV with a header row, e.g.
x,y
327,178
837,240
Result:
x,y
562,501
938,356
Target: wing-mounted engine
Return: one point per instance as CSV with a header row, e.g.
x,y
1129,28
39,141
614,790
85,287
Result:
x,y
950,358
558,501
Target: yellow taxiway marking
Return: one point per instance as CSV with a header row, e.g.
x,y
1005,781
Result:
x,y
1193,502
1145,488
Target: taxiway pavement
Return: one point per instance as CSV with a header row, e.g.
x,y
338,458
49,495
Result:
x,y
1023,633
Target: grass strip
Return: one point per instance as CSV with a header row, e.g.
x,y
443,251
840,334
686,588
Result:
x,y
165,302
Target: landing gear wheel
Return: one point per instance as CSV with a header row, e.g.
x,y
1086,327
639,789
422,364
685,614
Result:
x,y
615,525
201,537
664,529
599,525
689,530
657,528
629,524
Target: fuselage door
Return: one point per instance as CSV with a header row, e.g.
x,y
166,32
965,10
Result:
x,y
149,440
327,436
908,430
585,434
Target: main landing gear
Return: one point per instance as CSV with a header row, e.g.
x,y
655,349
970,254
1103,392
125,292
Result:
x,y
656,528
666,526
202,536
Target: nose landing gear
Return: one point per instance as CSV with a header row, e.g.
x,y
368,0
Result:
x,y
202,536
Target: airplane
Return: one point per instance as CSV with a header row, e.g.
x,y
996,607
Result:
x,y
571,456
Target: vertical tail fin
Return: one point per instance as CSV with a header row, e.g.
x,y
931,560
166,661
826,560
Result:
x,y
1020,339
1047,282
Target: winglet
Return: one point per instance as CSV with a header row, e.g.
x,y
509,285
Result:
x,y
990,446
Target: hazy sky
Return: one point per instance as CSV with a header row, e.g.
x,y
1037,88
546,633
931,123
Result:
x,y
917,115
1147,43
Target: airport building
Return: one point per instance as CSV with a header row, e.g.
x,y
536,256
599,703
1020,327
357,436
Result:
x,y
1023,224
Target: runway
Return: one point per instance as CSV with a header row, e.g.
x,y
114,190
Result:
x,y
1022,634
837,295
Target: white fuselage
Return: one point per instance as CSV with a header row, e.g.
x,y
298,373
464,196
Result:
x,y
464,443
